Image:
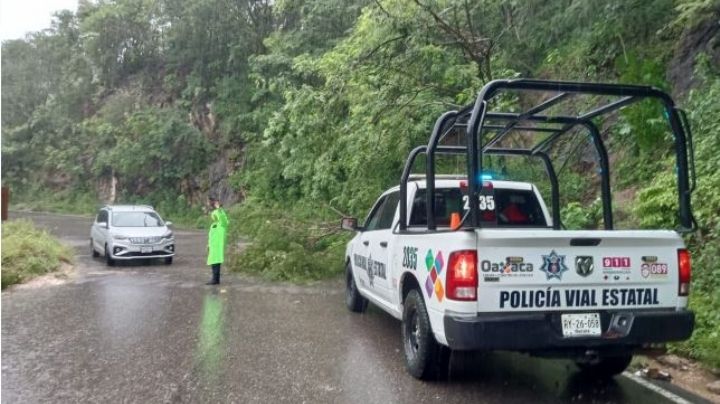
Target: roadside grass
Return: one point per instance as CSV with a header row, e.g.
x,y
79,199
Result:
x,y
28,252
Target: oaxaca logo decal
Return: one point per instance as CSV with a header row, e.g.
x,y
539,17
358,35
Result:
x,y
434,265
553,265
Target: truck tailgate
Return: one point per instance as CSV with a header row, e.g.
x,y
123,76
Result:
x,y
551,270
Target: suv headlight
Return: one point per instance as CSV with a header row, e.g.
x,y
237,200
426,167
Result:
x,y
168,235
119,237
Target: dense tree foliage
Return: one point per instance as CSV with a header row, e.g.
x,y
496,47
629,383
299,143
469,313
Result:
x,y
306,108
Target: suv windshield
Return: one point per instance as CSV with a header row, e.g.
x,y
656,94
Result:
x,y
510,207
136,219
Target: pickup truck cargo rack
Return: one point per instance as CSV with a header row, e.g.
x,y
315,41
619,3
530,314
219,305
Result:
x,y
473,121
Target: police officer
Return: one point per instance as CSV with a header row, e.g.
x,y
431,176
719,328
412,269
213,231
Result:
x,y
216,239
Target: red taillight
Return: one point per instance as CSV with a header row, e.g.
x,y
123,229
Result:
x,y
684,272
462,277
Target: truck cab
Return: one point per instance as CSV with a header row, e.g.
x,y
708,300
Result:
x,y
518,205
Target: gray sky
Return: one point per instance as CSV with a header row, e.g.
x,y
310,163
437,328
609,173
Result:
x,y
17,17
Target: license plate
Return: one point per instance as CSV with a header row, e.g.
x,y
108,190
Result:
x,y
581,325
146,250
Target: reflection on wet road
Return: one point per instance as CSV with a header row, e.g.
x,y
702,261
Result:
x,y
148,332
211,343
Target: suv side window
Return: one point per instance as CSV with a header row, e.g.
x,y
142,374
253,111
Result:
x,y
102,216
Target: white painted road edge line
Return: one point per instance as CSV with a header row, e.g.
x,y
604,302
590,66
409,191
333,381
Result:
x,y
665,393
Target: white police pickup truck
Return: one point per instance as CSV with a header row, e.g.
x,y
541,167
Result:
x,y
503,274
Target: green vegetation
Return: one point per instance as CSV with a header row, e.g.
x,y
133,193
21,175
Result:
x,y
39,199
286,245
62,201
301,108
657,206
28,252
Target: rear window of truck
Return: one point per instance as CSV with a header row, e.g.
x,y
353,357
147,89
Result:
x,y
505,208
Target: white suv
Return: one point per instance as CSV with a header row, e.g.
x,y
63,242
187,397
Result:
x,y
126,232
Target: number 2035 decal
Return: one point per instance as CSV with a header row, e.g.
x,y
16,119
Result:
x,y
410,257
485,202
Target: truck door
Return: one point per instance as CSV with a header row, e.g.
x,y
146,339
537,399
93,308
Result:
x,y
380,239
361,250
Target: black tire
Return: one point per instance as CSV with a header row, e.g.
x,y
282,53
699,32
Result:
x,y
425,358
353,299
605,367
168,260
94,253
108,259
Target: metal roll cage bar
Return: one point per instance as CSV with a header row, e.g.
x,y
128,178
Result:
x,y
472,119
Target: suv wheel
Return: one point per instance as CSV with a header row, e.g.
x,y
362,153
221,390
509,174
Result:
x,y
168,260
94,253
424,357
108,258
353,299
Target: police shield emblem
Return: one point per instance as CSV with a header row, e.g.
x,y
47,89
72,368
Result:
x,y
584,265
553,265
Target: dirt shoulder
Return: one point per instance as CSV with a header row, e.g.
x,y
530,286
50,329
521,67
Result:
x,y
63,275
682,372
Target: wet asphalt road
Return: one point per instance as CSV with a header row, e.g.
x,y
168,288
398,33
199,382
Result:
x,y
155,333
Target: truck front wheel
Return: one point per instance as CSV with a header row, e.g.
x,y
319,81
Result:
x,y
424,357
605,367
353,299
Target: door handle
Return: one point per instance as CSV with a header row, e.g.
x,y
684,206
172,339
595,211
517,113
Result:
x,y
383,244
366,242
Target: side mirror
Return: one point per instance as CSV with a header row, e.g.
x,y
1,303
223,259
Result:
x,y
103,224
349,223
168,224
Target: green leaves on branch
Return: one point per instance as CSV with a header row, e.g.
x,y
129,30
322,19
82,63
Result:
x,y
657,206
150,149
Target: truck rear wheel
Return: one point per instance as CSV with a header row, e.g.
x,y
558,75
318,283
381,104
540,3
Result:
x,y
353,299
424,357
605,367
